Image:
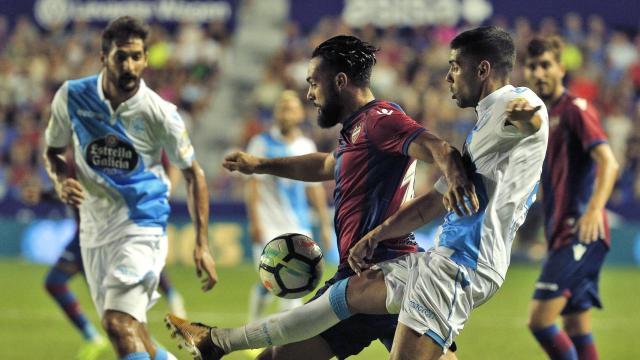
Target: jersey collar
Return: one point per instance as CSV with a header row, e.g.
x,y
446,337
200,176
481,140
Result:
x,y
346,125
490,99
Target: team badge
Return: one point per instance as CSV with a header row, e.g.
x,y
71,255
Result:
x,y
111,140
356,132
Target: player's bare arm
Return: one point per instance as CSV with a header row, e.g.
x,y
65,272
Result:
x,y
523,116
198,200
432,149
411,216
68,189
311,167
590,226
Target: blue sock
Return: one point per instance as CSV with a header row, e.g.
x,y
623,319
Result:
x,y
585,346
338,299
137,356
556,343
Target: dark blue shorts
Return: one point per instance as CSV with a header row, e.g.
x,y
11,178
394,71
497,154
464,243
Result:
x,y
352,335
71,253
573,271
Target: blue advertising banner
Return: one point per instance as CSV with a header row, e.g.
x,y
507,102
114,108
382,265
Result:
x,y
621,14
55,13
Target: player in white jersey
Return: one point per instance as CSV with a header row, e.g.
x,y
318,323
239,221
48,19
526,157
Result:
x,y
277,205
434,292
118,128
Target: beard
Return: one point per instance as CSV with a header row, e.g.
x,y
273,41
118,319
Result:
x,y
127,82
329,114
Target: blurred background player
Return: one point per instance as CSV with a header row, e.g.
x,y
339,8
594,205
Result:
x,y
578,176
118,128
69,264
278,205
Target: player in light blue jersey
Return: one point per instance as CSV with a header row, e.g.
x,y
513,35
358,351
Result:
x,y
278,205
433,292
117,129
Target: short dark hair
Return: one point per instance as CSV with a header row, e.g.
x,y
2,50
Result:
x,y
123,29
539,45
487,43
350,55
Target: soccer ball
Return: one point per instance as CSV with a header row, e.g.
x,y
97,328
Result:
x,y
291,265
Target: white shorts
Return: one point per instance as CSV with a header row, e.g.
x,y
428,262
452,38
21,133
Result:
x,y
432,294
123,275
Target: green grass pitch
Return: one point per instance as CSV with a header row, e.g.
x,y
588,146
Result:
x,y
32,327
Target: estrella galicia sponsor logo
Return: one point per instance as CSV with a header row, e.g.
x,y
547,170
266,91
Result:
x,y
111,155
422,309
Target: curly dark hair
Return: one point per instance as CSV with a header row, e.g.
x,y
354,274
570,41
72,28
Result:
x,y
121,30
350,55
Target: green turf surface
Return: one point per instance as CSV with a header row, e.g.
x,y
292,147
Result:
x,y
32,327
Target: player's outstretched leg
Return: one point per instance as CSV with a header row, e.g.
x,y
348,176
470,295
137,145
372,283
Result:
x,y
366,294
194,337
174,298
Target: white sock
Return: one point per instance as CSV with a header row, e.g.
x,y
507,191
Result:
x,y
295,325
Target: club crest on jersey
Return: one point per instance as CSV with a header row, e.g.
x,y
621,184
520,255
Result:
x,y
384,112
137,126
554,120
111,155
356,132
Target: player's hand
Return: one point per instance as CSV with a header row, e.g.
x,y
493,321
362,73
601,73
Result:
x,y
461,196
590,226
204,263
70,192
520,113
520,110
242,162
363,251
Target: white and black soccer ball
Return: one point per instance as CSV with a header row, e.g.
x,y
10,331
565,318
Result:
x,y
291,265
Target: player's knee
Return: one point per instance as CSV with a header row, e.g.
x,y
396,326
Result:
x,y
576,325
359,290
119,325
535,324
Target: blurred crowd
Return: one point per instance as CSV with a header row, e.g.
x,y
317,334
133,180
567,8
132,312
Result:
x,y
603,66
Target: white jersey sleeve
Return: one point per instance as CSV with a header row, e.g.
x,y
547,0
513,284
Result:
x,y
58,133
177,143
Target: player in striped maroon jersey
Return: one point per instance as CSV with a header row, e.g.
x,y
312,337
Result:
x,y
577,178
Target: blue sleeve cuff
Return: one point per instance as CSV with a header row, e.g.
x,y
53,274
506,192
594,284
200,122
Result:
x,y
407,142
